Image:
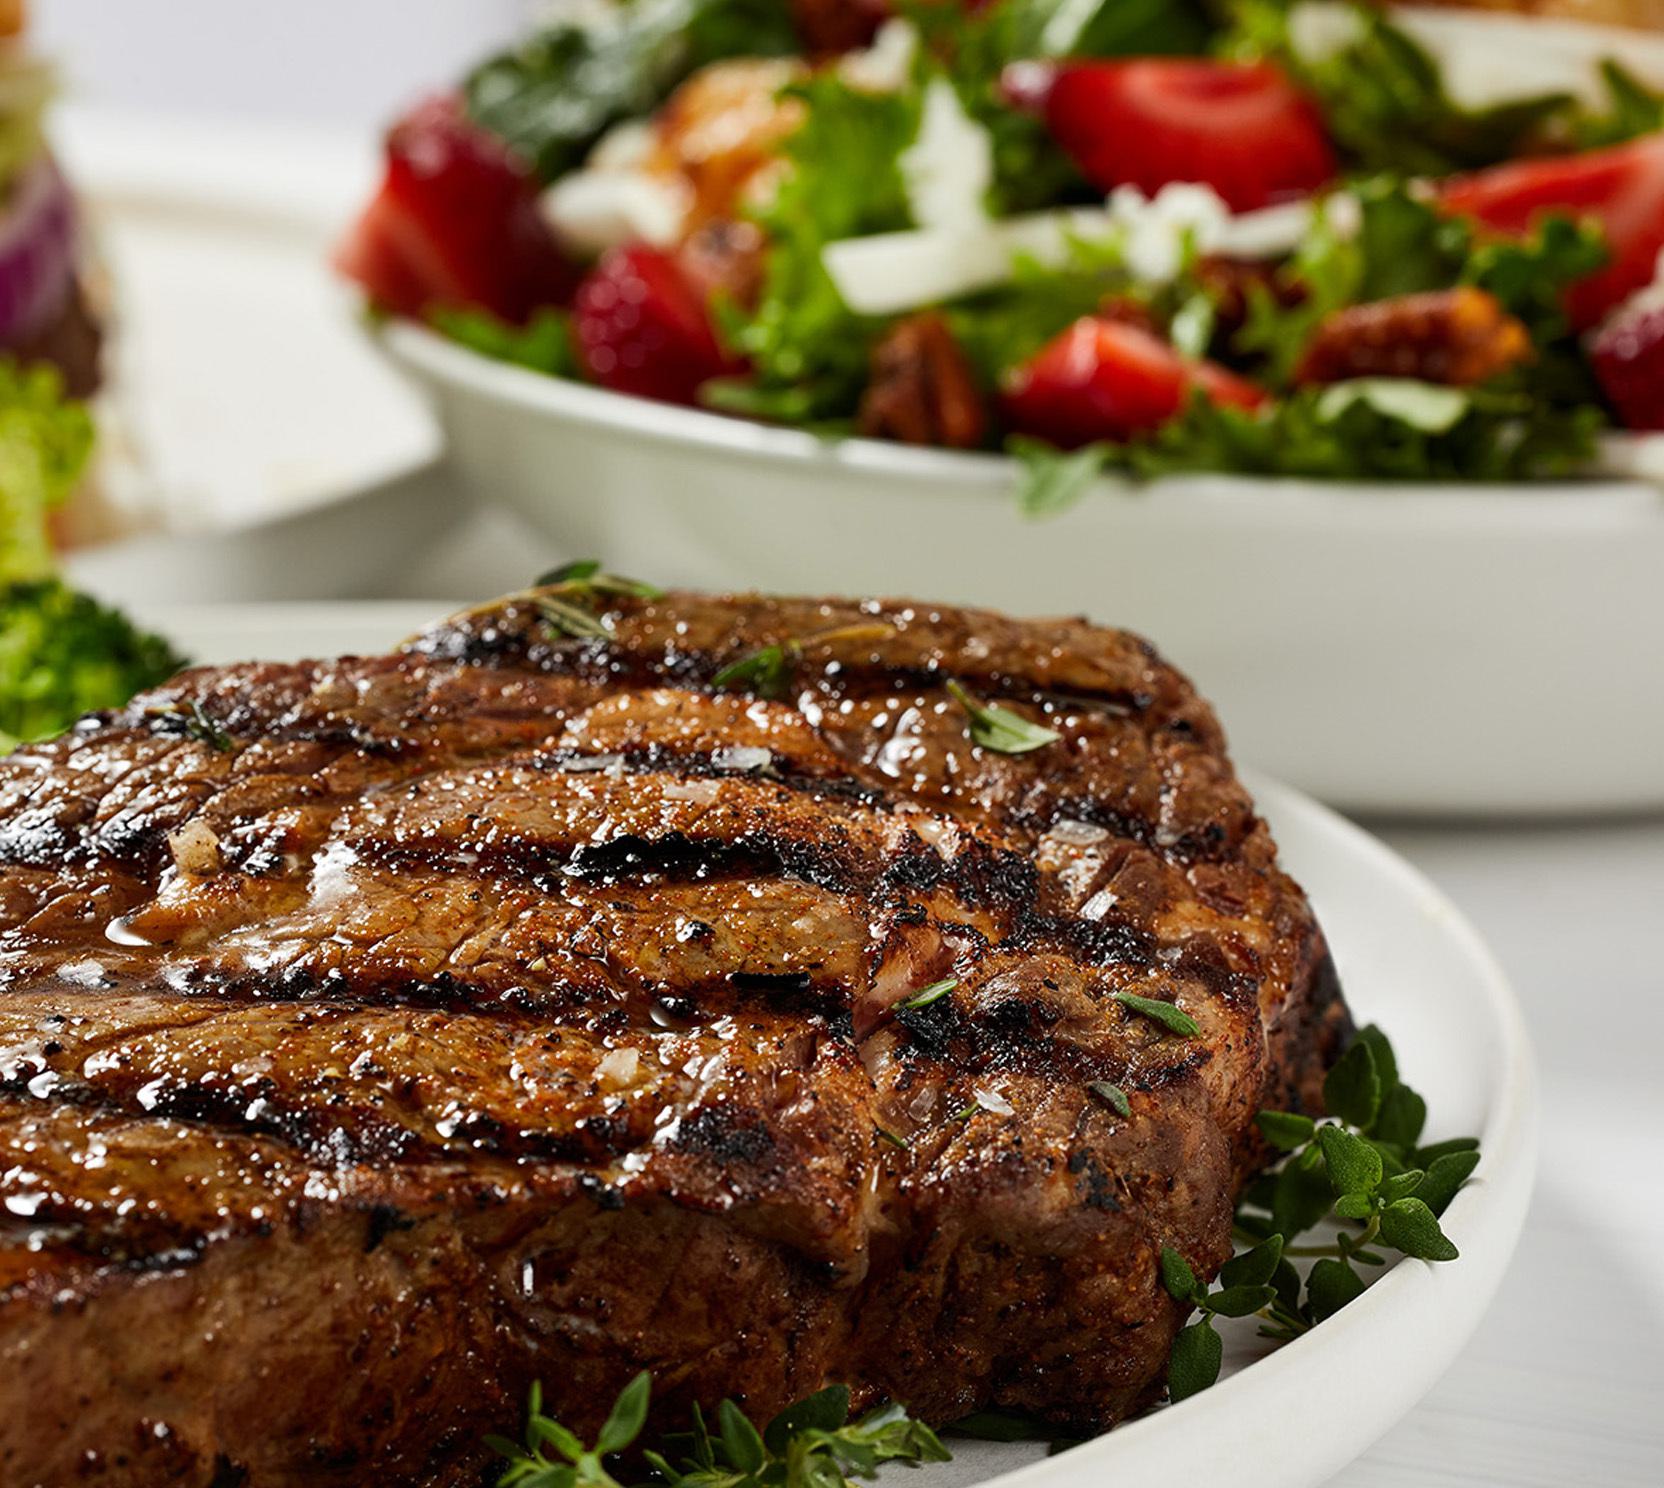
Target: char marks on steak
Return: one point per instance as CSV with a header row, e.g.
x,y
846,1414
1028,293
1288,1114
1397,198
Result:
x,y
519,1005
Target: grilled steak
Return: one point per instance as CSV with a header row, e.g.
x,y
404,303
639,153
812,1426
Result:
x,y
379,1034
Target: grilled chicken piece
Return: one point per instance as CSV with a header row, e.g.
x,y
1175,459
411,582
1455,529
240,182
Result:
x,y
380,1034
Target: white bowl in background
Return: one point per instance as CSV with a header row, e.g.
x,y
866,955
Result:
x,y
1420,649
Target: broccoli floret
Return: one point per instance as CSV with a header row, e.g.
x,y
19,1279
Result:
x,y
63,654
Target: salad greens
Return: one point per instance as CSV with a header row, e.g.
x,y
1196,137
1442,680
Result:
x,y
62,654
1376,232
553,95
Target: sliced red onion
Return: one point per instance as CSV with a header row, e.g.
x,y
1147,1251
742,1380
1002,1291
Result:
x,y
37,252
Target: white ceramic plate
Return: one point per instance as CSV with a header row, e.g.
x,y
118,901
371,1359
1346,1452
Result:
x,y
1458,650
1410,962
238,398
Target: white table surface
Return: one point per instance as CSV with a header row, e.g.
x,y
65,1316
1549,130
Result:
x,y
1562,1384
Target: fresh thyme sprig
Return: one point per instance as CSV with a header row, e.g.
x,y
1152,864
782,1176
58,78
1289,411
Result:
x,y
193,721
769,670
585,576
1362,1166
812,1444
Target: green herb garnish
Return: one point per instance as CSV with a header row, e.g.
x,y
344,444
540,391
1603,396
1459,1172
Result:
x,y
1361,1167
812,1444
886,1135
564,619
585,576
766,671
927,995
769,670
1173,1019
194,722
999,729
1112,1096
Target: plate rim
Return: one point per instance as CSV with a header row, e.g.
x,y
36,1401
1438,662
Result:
x,y
1595,501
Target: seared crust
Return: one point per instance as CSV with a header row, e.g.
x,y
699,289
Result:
x,y
519,1005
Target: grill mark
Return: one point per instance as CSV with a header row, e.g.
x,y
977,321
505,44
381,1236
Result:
x,y
982,878
555,1006
512,635
786,770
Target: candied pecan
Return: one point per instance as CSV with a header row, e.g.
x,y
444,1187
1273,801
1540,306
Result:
x,y
838,25
1126,310
1230,282
1454,336
725,257
922,389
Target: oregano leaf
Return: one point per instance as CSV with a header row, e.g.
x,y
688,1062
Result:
x,y
1352,1090
1354,1166
1410,1226
1331,1285
1445,1175
1194,1363
1285,1130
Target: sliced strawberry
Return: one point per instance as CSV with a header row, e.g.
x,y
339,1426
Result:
x,y
455,223
642,328
1105,379
1621,188
1628,357
1241,128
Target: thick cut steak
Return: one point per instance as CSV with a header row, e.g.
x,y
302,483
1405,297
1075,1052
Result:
x,y
379,1034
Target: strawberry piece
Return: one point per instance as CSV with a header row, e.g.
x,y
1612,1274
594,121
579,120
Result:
x,y
1241,128
1628,357
1622,188
455,224
642,328
1105,379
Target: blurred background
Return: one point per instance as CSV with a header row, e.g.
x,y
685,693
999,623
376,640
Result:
x,y
320,62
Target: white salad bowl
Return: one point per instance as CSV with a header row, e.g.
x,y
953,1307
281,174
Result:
x,y
1431,649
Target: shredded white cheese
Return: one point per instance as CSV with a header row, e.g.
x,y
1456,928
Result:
x,y
949,167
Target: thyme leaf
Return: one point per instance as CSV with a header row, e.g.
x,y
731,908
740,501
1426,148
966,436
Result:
x,y
927,995
1173,1019
194,722
1000,729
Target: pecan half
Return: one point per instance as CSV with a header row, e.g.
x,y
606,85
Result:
x,y
1455,336
922,389
828,26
